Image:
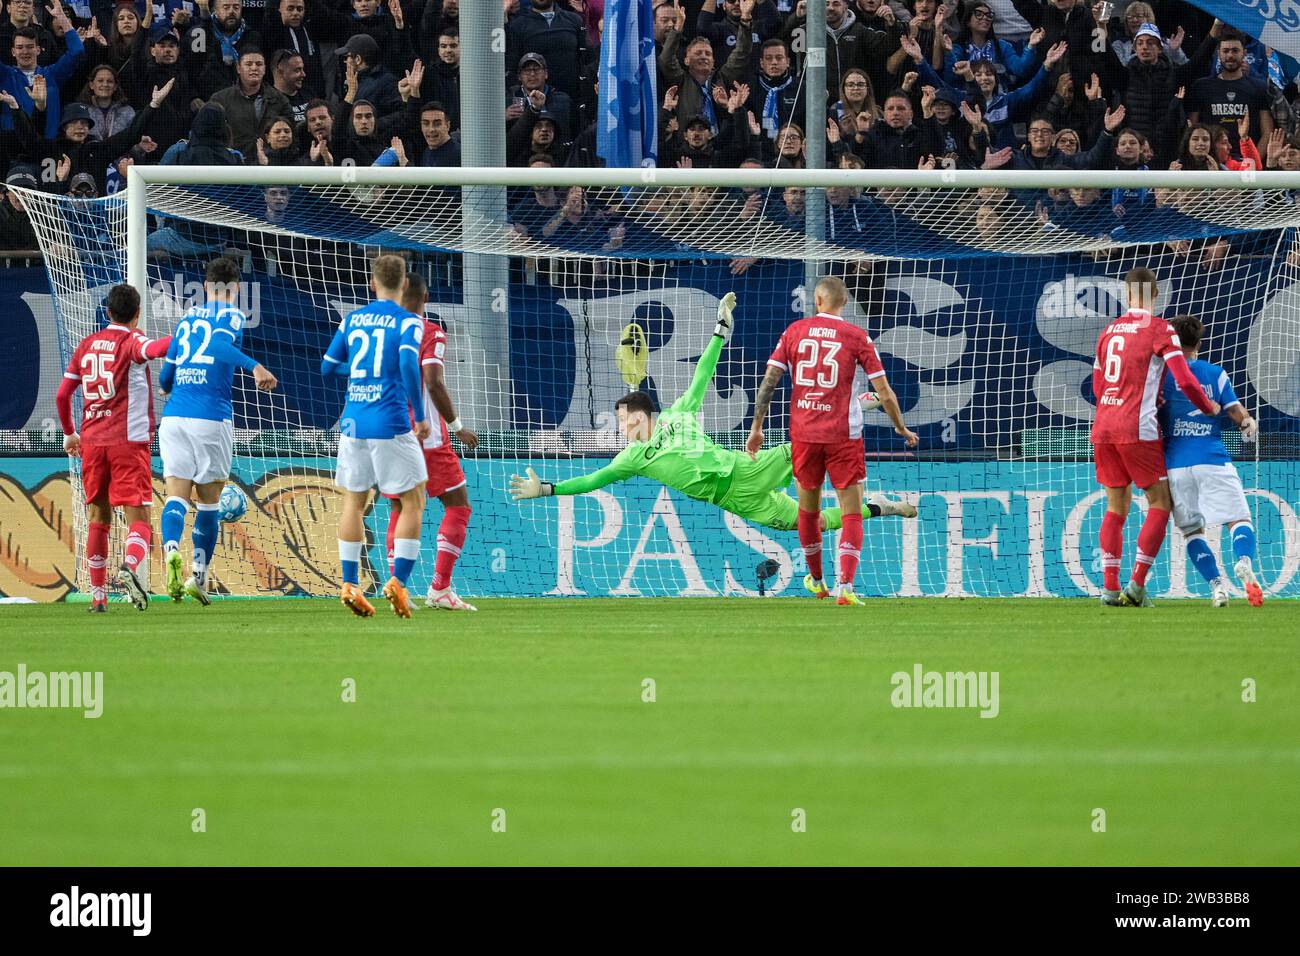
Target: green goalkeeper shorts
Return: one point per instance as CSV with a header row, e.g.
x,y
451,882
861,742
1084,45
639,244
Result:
x,y
758,490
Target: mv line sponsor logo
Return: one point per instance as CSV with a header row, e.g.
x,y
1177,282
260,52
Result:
x,y
78,909
71,690
951,689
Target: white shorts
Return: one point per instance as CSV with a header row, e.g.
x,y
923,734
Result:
x,y
395,464
196,449
1206,496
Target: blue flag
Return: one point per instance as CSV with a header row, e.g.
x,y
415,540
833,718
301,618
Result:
x,y
626,131
1275,23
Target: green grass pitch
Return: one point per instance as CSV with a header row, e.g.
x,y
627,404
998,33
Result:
x,y
762,707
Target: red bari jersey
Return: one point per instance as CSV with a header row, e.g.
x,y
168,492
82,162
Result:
x,y
821,354
1127,374
118,401
433,351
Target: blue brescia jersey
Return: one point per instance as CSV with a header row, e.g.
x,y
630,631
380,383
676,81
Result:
x,y
1191,436
201,362
378,348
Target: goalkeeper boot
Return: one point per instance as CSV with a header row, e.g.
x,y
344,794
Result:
x,y
397,596
846,598
1246,575
197,590
175,589
817,589
356,602
134,589
890,508
446,600
1112,598
1135,595
1218,593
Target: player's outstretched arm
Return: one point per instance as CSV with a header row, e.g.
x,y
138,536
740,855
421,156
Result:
x,y
156,348
1243,420
223,349
167,374
763,401
1188,384
692,399
522,489
889,402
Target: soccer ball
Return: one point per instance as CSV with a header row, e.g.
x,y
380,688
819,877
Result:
x,y
233,503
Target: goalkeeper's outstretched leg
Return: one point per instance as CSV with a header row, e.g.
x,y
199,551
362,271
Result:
x,y
758,494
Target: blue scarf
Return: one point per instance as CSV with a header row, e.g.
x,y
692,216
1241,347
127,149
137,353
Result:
x,y
771,109
229,55
986,52
706,107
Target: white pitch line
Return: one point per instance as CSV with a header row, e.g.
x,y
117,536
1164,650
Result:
x,y
1045,759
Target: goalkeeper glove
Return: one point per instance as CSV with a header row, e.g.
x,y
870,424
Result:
x,y
530,487
723,328
869,401
1249,429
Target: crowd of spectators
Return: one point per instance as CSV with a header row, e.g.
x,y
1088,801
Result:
x,y
90,87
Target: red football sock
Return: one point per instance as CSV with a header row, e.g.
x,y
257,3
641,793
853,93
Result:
x,y
393,515
97,559
137,544
1112,546
850,547
810,537
451,539
1150,538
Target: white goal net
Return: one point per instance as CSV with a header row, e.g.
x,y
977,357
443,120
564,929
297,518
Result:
x,y
984,295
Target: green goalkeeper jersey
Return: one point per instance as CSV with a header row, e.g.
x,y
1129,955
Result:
x,y
678,453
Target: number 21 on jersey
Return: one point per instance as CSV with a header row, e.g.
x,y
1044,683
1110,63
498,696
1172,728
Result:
x,y
359,343
817,356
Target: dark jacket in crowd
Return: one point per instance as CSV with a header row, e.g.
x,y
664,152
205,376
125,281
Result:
x,y
562,42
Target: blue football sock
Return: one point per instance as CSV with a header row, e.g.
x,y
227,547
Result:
x,y
1198,549
172,524
350,561
405,552
207,523
1243,541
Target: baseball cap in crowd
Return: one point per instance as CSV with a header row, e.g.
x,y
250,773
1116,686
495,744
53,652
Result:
x,y
945,95
76,111
22,175
532,58
163,33
83,182
699,119
548,116
1149,30
362,45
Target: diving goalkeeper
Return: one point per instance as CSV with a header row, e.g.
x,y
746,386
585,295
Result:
x,y
672,449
